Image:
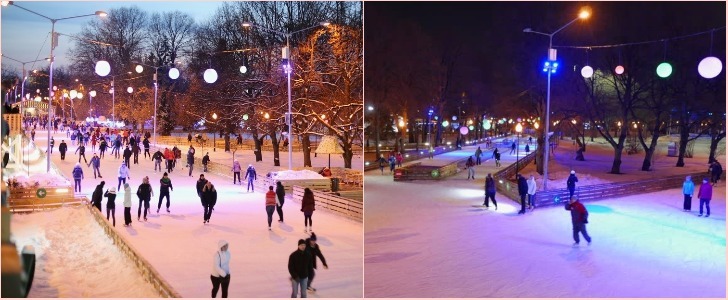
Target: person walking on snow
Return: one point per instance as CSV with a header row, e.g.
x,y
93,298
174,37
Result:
x,y
470,164
127,205
110,205
705,194
165,184
123,174
77,177
571,183
81,150
313,251
298,266
251,175
63,148
97,196
281,193
522,192
532,187
221,269
308,205
209,198
688,190
490,191
205,160
270,204
236,172
145,193
579,219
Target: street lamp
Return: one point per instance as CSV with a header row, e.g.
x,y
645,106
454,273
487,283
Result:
x,y
288,69
91,94
519,129
172,75
550,67
214,135
54,43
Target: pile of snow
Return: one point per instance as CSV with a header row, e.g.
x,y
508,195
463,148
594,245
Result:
x,y
38,180
291,174
91,266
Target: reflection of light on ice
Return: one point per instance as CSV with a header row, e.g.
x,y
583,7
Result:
x,y
505,205
290,174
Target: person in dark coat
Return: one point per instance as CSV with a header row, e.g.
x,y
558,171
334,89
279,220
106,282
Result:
x,y
513,148
81,150
53,142
145,142
205,160
200,185
145,193
579,219
705,193
281,194
191,159
111,205
135,150
127,156
522,192
209,199
308,205
157,157
571,183
98,195
496,157
313,251
165,184
298,266
490,191
102,147
96,162
63,148
716,171
77,177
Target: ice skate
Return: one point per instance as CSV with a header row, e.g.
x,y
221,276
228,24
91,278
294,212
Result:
x,y
575,245
311,289
168,210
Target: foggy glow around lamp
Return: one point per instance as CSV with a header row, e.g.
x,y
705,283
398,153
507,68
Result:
x,y
587,72
103,68
173,73
210,75
619,70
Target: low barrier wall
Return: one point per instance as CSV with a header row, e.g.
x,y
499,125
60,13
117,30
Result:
x,y
338,205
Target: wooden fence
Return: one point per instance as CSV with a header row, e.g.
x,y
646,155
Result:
x,y
25,199
338,205
505,182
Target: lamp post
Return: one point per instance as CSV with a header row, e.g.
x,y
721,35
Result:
x,y
140,69
550,67
91,95
519,129
54,43
22,86
214,135
288,69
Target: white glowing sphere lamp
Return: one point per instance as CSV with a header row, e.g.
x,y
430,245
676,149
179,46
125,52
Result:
x,y
103,68
710,67
210,75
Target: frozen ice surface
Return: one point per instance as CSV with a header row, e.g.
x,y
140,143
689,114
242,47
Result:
x,y
292,174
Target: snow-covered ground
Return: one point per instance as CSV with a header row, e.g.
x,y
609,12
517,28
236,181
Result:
x,y
433,239
181,248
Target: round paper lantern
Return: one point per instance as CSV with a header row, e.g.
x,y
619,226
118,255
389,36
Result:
x,y
173,73
619,70
243,69
210,75
464,130
710,67
587,72
130,90
103,68
664,70
139,68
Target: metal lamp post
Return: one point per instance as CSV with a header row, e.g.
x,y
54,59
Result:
x,y
550,67
214,135
54,44
156,87
288,69
519,129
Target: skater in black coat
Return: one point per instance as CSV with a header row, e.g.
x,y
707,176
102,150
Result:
x,y
111,205
63,148
298,264
490,191
209,199
522,192
571,183
145,193
281,193
97,196
313,251
127,156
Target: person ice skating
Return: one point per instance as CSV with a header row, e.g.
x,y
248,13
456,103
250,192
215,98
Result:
x,y
177,153
490,191
127,156
532,187
571,183
127,205
281,194
470,166
110,205
270,204
205,160
298,266
135,150
431,152
251,175
102,147
513,148
579,219
63,148
522,192
191,159
528,148
399,158
77,177
189,138
236,172
308,205
313,251
392,163
478,153
688,190
496,157
165,184
97,196
705,193
32,134
157,157
221,269
145,143
169,156
382,163
81,150
96,163
209,199
200,185
144,193
123,174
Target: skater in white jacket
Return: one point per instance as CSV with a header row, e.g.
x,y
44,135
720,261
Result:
x,y
532,187
221,269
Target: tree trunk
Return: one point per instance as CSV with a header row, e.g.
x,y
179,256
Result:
x,y
617,163
258,145
227,142
348,155
306,143
650,151
276,151
714,141
683,144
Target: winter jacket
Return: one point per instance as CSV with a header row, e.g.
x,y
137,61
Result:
x,y
706,191
298,264
522,186
236,166
112,198
496,155
127,153
200,185
81,149
165,184
96,161
308,204
578,212
281,193
127,197
63,147
103,145
251,174
145,142
270,198
532,186
144,191
123,171
135,149
168,155
716,170
469,163
205,159
314,252
209,196
489,185
97,196
190,158
688,187
221,267
77,173
157,156
571,182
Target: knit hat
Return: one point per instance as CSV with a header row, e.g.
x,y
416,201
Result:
x,y
221,243
313,236
301,242
573,172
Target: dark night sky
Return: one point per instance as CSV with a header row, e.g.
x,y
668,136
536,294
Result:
x,y
492,37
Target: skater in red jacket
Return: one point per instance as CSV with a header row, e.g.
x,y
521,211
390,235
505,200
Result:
x,y
579,218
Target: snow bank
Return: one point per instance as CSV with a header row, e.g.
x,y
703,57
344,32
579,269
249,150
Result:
x,y
291,174
38,180
89,266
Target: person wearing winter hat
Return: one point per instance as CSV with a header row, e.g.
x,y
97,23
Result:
x,y
123,174
209,198
221,269
281,193
313,250
127,205
110,205
250,175
165,184
236,172
298,266
308,205
271,202
705,194
97,196
579,219
688,190
77,177
571,183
